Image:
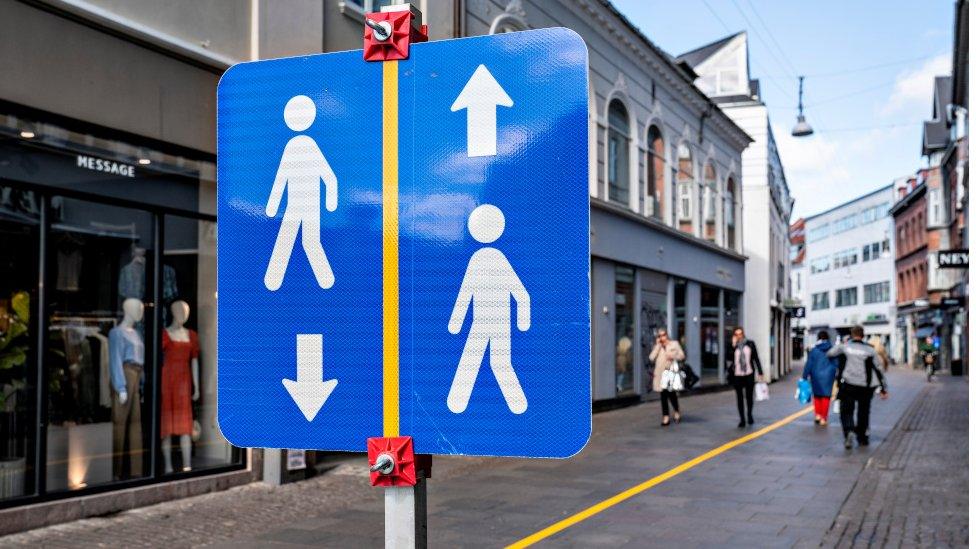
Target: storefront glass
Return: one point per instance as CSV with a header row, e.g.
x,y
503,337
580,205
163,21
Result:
x,y
19,232
654,314
709,333
188,387
732,319
96,361
624,330
107,314
680,310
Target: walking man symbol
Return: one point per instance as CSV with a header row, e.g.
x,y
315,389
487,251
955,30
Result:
x,y
302,166
489,284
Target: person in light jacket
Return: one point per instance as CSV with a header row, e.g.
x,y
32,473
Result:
x,y
821,370
742,373
859,372
664,353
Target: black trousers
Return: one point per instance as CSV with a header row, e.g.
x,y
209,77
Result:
x,y
852,396
745,388
665,397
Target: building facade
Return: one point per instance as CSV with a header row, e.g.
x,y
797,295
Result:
x,y
107,194
798,285
723,74
911,270
850,268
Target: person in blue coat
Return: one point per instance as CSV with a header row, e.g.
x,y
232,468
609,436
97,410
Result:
x,y
821,370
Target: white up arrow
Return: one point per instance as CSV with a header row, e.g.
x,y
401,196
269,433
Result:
x,y
309,391
481,95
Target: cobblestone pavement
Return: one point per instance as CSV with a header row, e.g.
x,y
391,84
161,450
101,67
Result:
x,y
782,489
914,492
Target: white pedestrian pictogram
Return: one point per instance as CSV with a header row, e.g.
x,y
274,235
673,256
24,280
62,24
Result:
x,y
302,166
489,285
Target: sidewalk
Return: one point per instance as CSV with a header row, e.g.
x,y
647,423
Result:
x,y
782,489
915,490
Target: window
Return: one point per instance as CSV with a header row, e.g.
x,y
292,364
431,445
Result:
x,y
364,6
845,297
820,301
819,265
866,253
730,209
655,172
710,192
618,153
845,258
936,210
686,179
818,233
624,328
879,292
875,250
845,223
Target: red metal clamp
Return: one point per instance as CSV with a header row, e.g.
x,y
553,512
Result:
x,y
391,461
390,32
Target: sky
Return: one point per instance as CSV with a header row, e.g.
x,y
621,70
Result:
x,y
869,70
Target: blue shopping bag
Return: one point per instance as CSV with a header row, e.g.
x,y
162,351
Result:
x,y
803,391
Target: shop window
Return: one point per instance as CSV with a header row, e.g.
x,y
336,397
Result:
x,y
733,318
653,313
680,311
189,436
709,333
618,153
624,330
99,352
655,172
19,233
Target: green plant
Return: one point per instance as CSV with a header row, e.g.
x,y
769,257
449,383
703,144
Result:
x,y
13,344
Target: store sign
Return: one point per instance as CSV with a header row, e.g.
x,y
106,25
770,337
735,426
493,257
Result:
x,y
107,166
403,248
798,312
948,302
295,460
953,259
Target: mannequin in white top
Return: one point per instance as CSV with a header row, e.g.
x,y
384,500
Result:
x,y
177,332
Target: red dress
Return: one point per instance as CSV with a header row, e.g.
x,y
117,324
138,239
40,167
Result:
x,y
177,385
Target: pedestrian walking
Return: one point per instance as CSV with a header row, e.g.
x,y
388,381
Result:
x,y
742,373
665,356
821,370
879,348
859,373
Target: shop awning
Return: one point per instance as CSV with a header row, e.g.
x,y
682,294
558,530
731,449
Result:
x,y
924,331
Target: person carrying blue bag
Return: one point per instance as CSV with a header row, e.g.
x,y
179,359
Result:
x,y
820,371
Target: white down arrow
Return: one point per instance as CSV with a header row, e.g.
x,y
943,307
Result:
x,y
309,391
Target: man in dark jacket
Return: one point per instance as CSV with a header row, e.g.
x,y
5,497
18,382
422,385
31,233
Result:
x,y
859,373
821,370
742,373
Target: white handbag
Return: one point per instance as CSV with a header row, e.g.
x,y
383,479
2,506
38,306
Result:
x,y
672,377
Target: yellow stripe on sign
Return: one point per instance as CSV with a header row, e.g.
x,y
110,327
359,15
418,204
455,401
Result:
x,y
648,484
391,253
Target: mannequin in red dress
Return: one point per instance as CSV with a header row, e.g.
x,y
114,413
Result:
x,y
181,372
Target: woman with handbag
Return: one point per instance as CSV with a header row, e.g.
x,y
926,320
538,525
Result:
x,y
742,373
665,356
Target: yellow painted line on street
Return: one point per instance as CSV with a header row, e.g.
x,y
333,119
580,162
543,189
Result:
x,y
648,484
391,252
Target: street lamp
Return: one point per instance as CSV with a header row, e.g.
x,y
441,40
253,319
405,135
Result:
x,y
802,127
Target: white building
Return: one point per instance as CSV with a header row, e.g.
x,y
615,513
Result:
x,y
850,268
723,74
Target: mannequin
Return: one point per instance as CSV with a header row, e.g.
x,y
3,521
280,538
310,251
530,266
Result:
x,y
181,370
126,359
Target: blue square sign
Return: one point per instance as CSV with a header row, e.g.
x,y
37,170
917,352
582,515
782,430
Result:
x,y
403,248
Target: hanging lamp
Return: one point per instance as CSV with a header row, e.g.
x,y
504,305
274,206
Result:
x,y
802,127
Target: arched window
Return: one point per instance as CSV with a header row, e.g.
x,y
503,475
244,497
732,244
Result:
x,y
709,200
655,172
618,153
685,187
729,213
